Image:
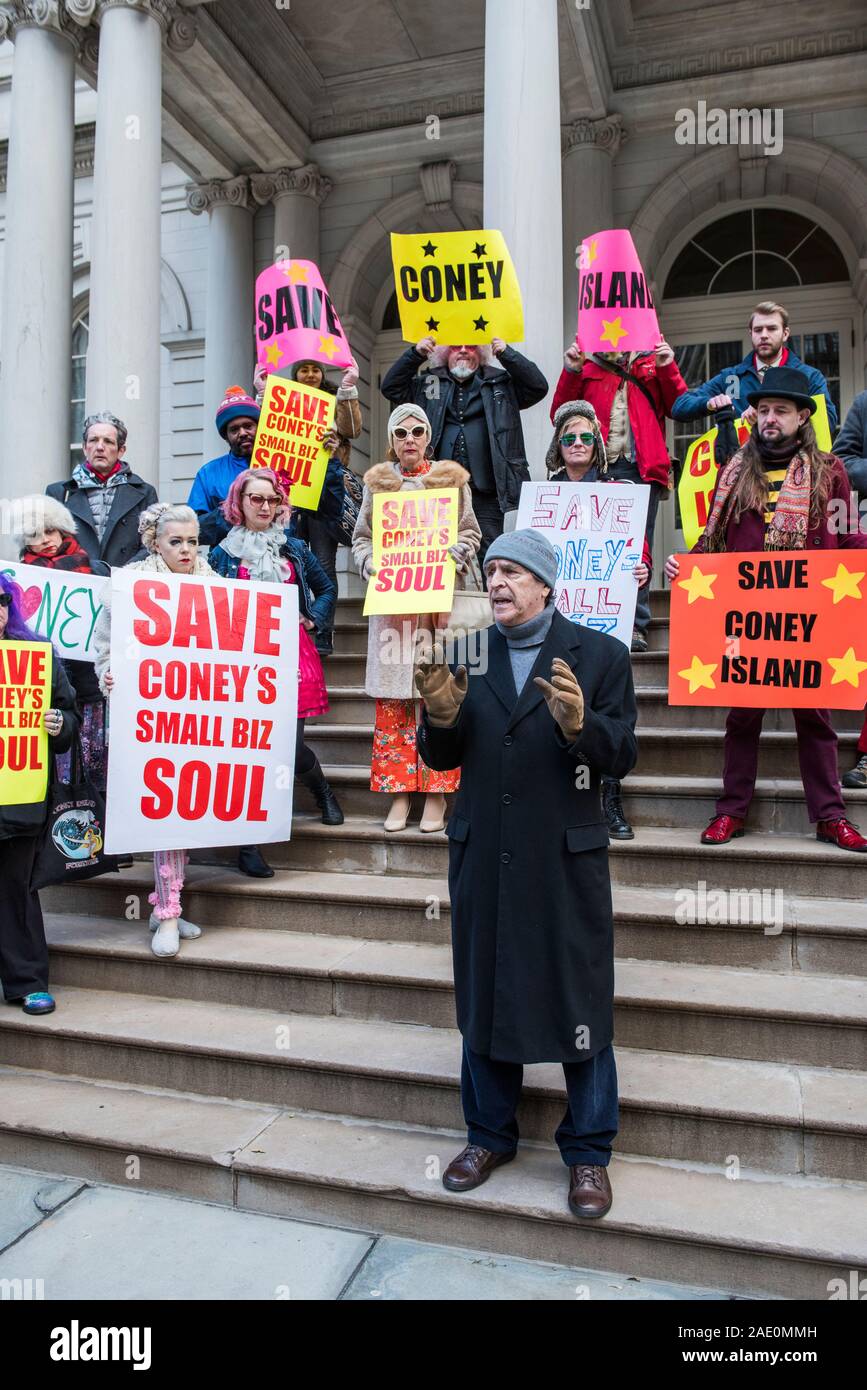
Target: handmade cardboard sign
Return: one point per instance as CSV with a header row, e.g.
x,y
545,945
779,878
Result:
x,y
295,318
203,712
699,472
293,421
616,312
780,630
412,532
62,607
597,530
456,287
25,695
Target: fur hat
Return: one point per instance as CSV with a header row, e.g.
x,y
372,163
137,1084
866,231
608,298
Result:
x,y
568,411
36,514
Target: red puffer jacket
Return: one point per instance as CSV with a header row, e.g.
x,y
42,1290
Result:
x,y
598,386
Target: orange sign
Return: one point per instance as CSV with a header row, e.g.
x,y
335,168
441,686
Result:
x,y
780,630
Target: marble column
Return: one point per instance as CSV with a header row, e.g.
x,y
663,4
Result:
x,y
297,195
522,179
37,291
123,361
589,150
229,348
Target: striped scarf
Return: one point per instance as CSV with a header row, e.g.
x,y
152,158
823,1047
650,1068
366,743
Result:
x,y
790,523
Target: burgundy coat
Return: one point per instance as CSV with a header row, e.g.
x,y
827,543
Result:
x,y
748,533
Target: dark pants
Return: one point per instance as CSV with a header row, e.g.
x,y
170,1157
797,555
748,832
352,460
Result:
x,y
628,470
490,518
305,758
324,547
23,950
817,755
490,1092
862,738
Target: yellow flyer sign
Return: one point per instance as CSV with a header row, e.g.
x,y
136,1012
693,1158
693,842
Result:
x,y
698,475
412,532
25,695
456,287
293,421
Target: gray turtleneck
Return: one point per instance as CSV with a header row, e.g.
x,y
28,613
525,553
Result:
x,y
524,643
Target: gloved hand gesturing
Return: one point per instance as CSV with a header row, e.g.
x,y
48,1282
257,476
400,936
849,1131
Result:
x,y
564,698
442,693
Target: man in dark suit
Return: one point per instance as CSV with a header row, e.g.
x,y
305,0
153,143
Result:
x,y
532,927
104,495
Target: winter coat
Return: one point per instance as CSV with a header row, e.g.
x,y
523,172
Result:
x,y
748,532
513,385
30,818
121,541
599,386
317,592
390,635
739,381
851,444
529,884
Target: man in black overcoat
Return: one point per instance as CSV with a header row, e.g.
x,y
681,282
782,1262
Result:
x,y
532,928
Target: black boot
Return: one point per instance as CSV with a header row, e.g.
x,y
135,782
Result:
x,y
251,862
857,778
618,826
315,782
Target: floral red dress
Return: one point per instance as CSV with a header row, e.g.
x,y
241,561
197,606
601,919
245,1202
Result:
x,y
312,693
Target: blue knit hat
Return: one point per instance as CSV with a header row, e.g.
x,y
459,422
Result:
x,y
236,405
530,549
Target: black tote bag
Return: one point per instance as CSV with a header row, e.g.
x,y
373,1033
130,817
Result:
x,y
71,845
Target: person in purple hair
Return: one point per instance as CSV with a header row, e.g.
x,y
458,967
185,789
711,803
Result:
x,y
23,949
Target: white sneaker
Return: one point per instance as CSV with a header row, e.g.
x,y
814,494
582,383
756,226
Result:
x,y
188,931
166,938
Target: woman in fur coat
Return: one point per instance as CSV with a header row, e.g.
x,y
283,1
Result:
x,y
391,642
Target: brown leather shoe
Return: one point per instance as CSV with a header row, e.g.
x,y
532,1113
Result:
x,y
472,1167
589,1190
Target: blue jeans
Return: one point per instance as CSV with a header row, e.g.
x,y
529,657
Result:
x,y
490,1092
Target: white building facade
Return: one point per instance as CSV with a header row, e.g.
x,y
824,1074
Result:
x,y
156,156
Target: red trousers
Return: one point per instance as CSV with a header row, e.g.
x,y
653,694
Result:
x,y
817,755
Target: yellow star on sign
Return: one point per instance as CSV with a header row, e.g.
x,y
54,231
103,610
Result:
x,y
613,331
846,668
327,345
592,252
845,583
700,675
297,272
699,584
273,354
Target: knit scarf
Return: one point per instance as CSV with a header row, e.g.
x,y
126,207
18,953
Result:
x,y
70,556
155,561
259,552
791,520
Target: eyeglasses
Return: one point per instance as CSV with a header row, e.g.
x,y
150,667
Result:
x,y
570,439
257,501
417,432
5,600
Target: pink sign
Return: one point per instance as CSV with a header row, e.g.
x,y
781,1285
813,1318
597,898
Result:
x,y
615,304
295,318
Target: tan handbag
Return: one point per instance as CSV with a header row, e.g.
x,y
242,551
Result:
x,y
471,608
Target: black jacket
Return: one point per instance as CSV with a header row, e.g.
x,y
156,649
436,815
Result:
x,y
30,818
851,444
507,389
532,929
121,541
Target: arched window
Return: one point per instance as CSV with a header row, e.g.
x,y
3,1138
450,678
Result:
x,y
759,249
80,335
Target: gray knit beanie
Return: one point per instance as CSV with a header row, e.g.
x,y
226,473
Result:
x,y
530,549
567,411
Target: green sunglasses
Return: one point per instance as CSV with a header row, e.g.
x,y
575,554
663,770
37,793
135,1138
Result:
x,y
570,439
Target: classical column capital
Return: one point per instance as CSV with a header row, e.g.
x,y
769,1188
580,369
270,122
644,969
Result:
x,y
307,181
211,193
436,184
178,24
606,134
68,18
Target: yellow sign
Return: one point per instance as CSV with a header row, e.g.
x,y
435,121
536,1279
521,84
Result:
x,y
25,695
698,475
456,287
293,421
412,532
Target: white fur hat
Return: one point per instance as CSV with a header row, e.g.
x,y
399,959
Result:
x,y
36,514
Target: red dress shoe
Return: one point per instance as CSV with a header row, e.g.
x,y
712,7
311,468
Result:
x,y
722,829
841,833
590,1192
473,1166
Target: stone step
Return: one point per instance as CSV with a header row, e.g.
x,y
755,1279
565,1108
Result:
x,y
777,807
777,1236
772,932
787,1117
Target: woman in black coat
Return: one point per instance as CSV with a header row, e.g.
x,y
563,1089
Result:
x,y
23,949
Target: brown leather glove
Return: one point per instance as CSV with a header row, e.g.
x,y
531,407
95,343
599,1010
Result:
x,y
442,692
564,698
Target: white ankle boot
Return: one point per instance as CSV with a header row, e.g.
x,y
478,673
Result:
x,y
166,938
187,931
